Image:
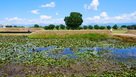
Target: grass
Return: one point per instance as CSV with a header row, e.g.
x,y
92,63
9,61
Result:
x,y
52,36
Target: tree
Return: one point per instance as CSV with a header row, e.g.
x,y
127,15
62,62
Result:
x,y
102,27
129,27
46,27
62,26
8,26
96,27
90,27
74,20
80,27
57,27
51,26
15,26
134,26
85,27
115,27
123,26
67,28
36,25
108,27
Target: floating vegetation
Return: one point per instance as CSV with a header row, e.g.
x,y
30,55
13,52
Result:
x,y
66,57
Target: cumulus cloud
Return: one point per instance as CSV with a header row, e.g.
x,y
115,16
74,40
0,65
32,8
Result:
x,y
52,4
35,11
45,17
104,14
104,18
93,6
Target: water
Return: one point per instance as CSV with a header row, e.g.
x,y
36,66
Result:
x,y
120,53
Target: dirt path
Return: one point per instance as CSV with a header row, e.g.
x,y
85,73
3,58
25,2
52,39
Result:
x,y
121,34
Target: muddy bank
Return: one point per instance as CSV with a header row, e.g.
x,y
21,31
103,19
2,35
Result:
x,y
125,38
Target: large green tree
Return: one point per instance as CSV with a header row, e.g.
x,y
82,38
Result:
x,y
74,20
36,25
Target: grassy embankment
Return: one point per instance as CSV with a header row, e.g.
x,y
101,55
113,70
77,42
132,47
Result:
x,y
71,34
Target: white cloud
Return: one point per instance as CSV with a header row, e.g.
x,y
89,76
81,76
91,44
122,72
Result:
x,y
104,18
13,19
104,14
35,11
45,17
93,6
52,4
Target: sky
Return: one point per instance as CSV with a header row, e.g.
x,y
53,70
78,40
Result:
x,y
29,12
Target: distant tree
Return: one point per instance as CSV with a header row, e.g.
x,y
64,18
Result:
x,y
80,27
85,27
51,26
115,27
36,25
46,27
134,26
67,28
108,27
90,27
74,20
96,27
62,26
102,27
129,27
57,27
15,26
123,26
8,26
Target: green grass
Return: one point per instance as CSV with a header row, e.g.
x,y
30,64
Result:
x,y
52,36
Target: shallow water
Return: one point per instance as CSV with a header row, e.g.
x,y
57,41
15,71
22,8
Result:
x,y
120,53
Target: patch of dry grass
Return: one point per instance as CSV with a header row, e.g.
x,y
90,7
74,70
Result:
x,y
132,32
61,32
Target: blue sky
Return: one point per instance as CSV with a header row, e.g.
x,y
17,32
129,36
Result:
x,y
28,12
